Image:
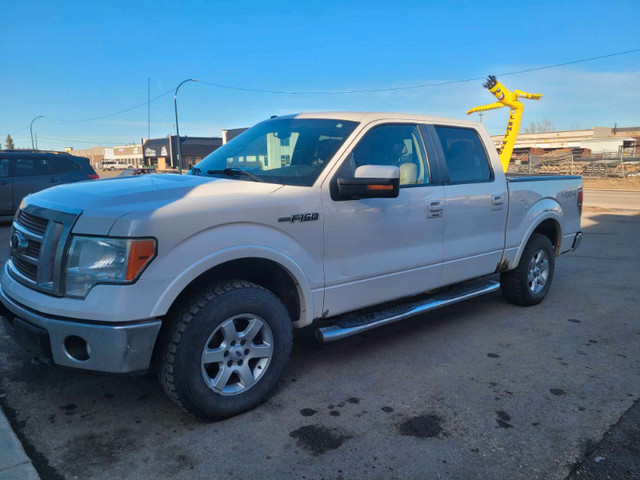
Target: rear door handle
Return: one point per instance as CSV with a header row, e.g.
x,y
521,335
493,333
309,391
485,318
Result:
x,y
435,208
53,180
498,199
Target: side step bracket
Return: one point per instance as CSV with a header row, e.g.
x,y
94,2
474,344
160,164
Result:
x,y
352,324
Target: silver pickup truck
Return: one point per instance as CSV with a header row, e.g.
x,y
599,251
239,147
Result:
x,y
340,222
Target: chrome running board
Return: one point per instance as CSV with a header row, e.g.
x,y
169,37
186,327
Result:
x,y
354,323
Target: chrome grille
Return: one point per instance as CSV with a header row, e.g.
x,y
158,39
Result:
x,y
27,269
33,223
38,239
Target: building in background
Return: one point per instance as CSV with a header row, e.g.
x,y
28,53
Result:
x,y
231,133
94,154
162,153
602,141
129,154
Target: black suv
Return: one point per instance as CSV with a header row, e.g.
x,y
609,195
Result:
x,y
28,171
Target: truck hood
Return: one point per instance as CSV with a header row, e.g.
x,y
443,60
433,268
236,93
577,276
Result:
x,y
102,202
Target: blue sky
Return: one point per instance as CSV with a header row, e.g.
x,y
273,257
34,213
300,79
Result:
x,y
76,60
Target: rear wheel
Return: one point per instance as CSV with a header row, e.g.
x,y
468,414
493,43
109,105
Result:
x,y
227,350
529,283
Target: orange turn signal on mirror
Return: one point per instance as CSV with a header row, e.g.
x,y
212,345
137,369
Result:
x,y
141,252
379,187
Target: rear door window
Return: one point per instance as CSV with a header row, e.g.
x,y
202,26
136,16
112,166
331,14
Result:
x,y
464,154
62,165
29,167
4,167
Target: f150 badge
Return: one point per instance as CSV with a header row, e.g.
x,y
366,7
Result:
x,y
299,217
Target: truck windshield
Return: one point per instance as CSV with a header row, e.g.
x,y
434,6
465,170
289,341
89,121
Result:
x,y
287,150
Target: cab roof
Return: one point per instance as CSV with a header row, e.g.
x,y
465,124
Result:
x,y
368,117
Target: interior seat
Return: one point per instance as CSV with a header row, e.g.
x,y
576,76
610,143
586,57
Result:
x,y
408,174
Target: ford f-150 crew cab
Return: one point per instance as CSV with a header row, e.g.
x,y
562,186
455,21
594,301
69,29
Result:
x,y
343,221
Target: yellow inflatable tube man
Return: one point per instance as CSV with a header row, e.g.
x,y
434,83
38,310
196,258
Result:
x,y
506,98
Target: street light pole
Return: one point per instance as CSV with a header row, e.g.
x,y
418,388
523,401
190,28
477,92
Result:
x,y
31,130
175,105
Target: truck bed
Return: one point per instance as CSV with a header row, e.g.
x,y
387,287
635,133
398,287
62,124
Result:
x,y
512,177
532,197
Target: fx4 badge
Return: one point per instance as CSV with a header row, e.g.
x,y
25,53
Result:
x,y
300,217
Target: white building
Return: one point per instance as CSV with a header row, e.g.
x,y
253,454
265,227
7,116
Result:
x,y
129,154
600,140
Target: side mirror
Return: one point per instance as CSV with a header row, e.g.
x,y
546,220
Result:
x,y
370,181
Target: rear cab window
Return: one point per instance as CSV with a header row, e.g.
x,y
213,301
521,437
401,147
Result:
x,y
465,155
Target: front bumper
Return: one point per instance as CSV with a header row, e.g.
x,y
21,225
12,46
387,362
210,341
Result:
x,y
120,348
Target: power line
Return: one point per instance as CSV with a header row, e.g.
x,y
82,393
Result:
x,y
422,85
102,117
77,141
340,92
23,128
148,102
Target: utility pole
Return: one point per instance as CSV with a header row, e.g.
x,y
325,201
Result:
x,y
33,146
175,104
148,108
481,115
571,163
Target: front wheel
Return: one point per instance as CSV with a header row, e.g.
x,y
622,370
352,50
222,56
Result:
x,y
529,282
227,350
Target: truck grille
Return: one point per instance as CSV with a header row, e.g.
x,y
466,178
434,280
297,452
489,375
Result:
x,y
38,239
33,250
37,225
27,269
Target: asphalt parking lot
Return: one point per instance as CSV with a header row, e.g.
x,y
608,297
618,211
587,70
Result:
x,y
479,390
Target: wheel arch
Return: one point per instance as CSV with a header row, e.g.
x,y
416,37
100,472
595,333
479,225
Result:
x,y
548,225
269,269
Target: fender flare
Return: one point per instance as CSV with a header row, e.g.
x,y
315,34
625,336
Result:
x,y
548,214
184,279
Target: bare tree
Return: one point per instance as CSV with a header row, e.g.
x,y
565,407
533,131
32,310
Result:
x,y
540,127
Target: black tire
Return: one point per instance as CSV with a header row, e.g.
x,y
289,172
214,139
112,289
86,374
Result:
x,y
181,373
515,283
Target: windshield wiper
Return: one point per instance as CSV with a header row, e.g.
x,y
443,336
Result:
x,y
195,170
232,172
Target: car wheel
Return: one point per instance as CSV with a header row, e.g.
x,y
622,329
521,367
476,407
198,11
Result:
x,y
226,350
530,281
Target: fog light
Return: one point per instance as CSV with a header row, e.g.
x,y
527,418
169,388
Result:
x,y
77,348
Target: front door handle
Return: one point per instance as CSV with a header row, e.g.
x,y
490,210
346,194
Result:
x,y
498,199
435,208
53,180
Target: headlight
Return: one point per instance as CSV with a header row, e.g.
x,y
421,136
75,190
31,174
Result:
x,y
94,260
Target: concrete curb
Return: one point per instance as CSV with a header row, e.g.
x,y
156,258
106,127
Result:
x,y
14,462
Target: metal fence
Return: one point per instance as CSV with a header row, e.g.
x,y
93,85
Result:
x,y
597,166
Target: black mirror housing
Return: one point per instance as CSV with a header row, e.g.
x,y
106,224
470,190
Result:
x,y
359,188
